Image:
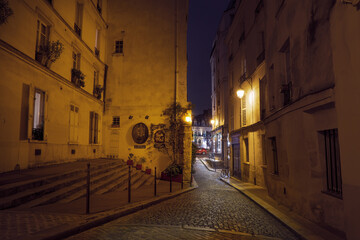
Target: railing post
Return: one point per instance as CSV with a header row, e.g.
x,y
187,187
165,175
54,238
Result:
x,y
155,183
190,178
129,185
182,181
88,189
170,181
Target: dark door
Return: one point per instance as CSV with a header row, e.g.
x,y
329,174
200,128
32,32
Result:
x,y
236,160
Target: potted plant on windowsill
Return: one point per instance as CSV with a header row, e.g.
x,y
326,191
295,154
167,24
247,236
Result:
x,y
77,77
98,90
148,170
49,53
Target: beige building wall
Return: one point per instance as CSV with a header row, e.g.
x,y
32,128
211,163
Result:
x,y
300,107
345,37
142,79
23,76
245,41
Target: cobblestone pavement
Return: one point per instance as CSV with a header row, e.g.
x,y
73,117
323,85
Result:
x,y
209,212
22,224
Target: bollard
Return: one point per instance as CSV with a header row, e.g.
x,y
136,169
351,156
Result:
x,y
88,190
129,185
182,181
155,183
191,179
170,181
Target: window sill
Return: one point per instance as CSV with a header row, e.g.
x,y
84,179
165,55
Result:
x,y
73,143
264,166
332,194
94,144
117,54
37,141
246,163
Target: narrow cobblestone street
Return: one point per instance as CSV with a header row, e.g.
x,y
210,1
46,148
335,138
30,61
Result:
x,y
212,211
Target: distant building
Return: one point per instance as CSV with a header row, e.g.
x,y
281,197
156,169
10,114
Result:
x,y
291,93
122,64
201,129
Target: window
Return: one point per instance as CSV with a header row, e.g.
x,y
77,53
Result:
x,y
76,60
115,122
97,43
263,149
94,128
246,143
96,80
38,116
78,18
262,98
74,124
332,159
42,38
119,46
275,157
286,85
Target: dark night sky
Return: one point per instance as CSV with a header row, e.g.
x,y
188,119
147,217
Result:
x,y
203,20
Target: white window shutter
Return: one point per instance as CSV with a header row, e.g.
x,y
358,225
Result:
x,y
31,110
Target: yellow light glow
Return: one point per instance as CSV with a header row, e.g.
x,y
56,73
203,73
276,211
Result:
x,y
212,121
251,97
240,93
216,122
188,119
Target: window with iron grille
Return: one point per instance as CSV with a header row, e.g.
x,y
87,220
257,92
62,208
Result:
x,y
246,142
275,156
332,159
115,121
119,46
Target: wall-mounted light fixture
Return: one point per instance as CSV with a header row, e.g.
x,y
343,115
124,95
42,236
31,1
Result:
x,y
240,93
146,117
212,121
130,117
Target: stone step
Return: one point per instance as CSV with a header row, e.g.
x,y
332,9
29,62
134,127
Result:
x,y
96,186
32,194
14,188
73,189
122,183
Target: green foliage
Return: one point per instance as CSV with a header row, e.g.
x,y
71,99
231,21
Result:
x,y
5,11
193,157
142,160
98,90
173,170
77,77
50,52
175,114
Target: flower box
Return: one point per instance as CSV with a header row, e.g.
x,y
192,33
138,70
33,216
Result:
x,y
177,178
138,166
130,162
148,171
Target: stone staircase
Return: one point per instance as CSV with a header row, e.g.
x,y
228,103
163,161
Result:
x,y
71,185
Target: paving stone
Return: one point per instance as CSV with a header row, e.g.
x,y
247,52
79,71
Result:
x,y
213,206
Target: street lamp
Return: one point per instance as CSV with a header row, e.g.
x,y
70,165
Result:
x,y
240,93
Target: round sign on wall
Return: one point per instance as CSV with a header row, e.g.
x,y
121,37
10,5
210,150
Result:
x,y
140,133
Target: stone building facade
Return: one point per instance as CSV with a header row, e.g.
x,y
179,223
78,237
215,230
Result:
x,y
294,62
123,63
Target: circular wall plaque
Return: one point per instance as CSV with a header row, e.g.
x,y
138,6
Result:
x,y
140,133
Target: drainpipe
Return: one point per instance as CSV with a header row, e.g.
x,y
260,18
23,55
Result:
x,y
175,77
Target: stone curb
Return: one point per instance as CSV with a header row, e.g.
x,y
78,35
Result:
x,y
95,220
266,207
207,167
291,223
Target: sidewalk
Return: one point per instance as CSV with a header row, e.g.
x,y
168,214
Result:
x,y
296,223
60,220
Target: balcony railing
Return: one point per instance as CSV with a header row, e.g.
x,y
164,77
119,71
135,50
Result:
x,y
77,29
286,89
97,52
98,8
38,134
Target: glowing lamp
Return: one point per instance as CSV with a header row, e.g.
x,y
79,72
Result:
x,y
240,93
